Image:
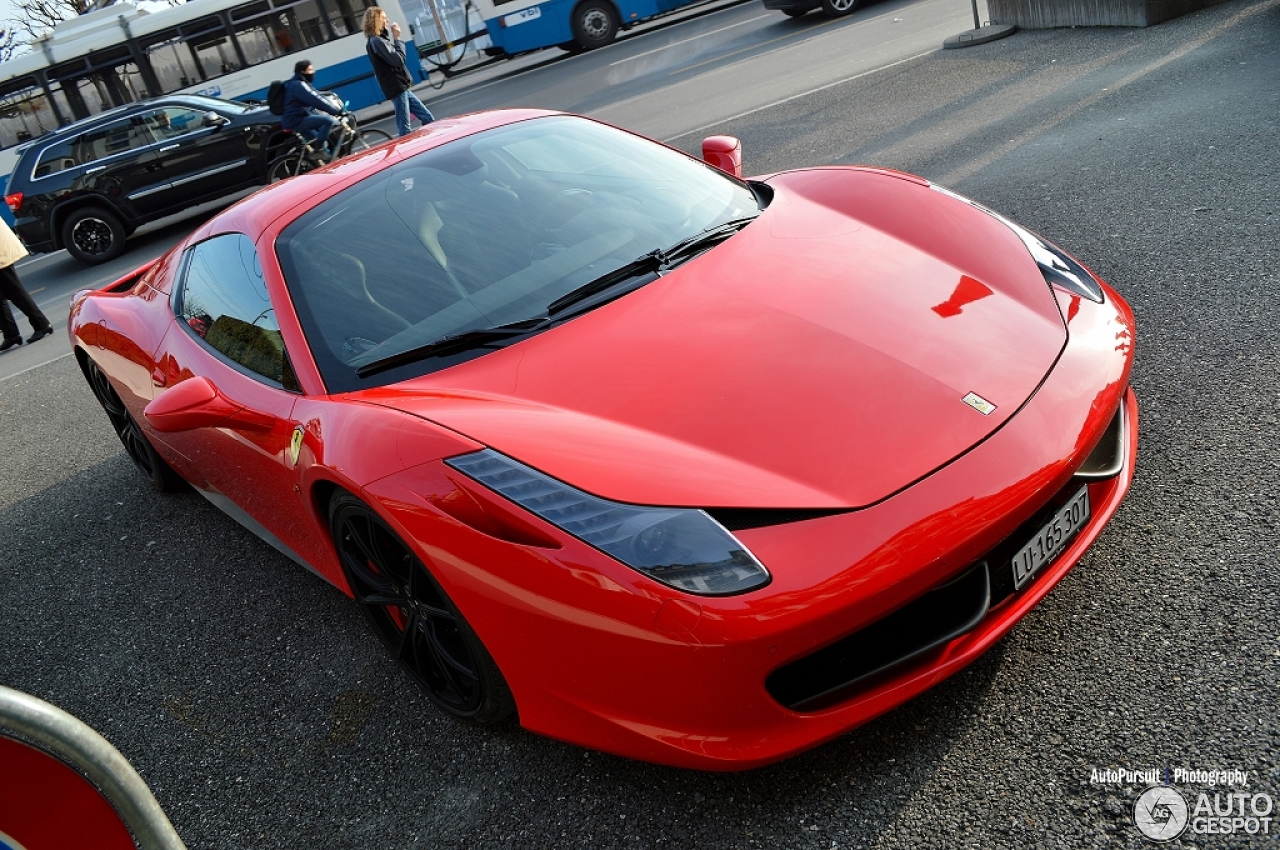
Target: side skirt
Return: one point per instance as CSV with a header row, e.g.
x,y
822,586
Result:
x,y
234,511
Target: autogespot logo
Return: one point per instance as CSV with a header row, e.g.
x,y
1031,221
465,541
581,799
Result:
x,y
1160,813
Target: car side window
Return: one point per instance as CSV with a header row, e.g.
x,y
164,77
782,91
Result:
x,y
172,121
110,139
56,158
223,301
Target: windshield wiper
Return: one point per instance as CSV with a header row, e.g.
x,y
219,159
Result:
x,y
687,249
644,265
653,263
455,343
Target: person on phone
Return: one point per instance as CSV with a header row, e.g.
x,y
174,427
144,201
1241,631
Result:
x,y
306,111
386,53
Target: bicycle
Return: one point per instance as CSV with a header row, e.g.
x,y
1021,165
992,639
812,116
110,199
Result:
x,y
301,156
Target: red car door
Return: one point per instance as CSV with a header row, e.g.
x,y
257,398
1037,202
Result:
x,y
226,333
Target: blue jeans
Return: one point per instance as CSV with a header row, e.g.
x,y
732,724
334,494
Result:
x,y
407,102
316,127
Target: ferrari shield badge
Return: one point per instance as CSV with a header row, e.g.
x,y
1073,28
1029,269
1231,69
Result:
x,y
979,404
295,446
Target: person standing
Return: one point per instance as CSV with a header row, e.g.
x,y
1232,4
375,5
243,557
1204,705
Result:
x,y
305,109
386,53
11,290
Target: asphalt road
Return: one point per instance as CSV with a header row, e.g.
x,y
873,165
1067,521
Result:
x,y
263,713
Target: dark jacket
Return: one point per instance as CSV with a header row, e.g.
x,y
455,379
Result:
x,y
387,57
300,100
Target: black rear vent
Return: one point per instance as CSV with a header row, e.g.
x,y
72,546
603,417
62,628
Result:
x,y
829,675
736,519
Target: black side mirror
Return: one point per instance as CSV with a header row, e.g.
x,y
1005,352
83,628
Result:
x,y
213,119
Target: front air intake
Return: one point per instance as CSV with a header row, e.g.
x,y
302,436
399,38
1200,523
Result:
x,y
1107,458
829,675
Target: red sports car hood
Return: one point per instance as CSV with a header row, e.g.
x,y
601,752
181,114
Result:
x,y
819,358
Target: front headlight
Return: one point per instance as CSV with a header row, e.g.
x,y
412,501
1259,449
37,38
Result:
x,y
1057,266
681,547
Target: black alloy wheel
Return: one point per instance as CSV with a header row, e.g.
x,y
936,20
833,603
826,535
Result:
x,y
838,8
594,24
414,617
93,235
136,444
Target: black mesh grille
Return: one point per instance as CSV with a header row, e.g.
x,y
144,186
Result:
x,y
829,675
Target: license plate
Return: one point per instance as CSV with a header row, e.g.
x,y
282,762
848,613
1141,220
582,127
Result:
x,y
1047,543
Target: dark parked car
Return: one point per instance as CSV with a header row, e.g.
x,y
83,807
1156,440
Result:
x,y
89,185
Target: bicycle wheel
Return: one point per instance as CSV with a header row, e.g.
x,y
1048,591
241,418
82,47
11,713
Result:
x,y
366,139
287,165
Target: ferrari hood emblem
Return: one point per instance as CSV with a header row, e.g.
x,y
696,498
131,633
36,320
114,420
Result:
x,y
979,404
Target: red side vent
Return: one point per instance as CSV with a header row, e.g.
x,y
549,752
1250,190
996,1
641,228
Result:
x,y
14,201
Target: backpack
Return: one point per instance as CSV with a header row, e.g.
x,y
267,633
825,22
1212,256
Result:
x,y
275,97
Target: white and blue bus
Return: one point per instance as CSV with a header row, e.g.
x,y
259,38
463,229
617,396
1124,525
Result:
x,y
223,48
517,26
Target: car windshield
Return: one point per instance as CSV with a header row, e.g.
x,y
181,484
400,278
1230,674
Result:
x,y
485,231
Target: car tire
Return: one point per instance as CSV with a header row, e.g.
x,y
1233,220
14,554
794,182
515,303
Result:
x,y
594,24
838,8
136,445
420,625
93,235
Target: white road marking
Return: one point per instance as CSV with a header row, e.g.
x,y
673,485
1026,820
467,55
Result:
x,y
798,96
687,40
37,366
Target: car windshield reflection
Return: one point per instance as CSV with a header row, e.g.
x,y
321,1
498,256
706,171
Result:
x,y
486,231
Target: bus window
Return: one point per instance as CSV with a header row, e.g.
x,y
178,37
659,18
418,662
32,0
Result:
x,y
264,32
172,63
91,93
216,56
25,114
346,16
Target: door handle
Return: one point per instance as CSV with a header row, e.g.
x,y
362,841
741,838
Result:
x,y
169,148
95,169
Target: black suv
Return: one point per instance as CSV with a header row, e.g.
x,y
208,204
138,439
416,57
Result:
x,y
89,185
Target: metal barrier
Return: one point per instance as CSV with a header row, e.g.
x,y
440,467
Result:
x,y
35,722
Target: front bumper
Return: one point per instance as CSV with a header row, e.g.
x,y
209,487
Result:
x,y
602,657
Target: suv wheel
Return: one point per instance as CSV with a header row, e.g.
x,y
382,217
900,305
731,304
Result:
x,y
92,235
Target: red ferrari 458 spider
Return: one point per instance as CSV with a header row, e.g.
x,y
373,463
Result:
x,y
672,464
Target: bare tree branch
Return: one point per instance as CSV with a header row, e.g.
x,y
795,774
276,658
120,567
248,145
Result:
x,y
38,17
8,43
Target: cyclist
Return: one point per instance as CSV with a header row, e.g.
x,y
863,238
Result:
x,y
307,112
